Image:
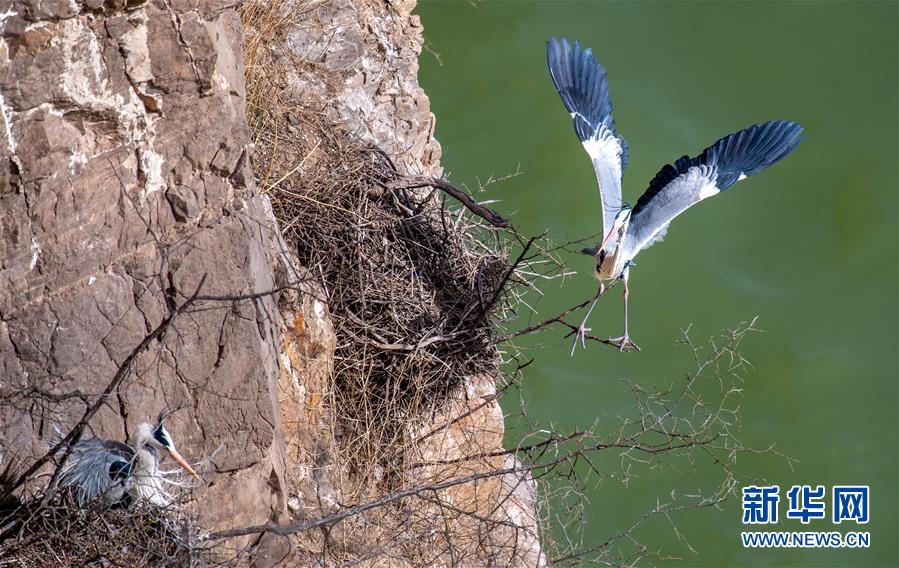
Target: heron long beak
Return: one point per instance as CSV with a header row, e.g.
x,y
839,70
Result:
x,y
183,463
606,240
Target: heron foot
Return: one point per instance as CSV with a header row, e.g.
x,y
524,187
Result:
x,y
582,336
624,343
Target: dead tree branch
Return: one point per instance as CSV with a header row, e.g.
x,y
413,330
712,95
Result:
x,y
443,184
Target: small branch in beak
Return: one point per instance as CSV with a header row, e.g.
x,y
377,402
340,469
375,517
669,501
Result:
x,y
183,463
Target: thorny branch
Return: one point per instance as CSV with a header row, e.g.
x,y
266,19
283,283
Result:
x,y
676,421
560,319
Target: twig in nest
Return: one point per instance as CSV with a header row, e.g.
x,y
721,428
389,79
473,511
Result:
x,y
413,182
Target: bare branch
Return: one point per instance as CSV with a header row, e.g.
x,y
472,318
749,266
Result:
x,y
414,182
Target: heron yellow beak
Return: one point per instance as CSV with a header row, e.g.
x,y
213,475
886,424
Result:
x,y
618,226
606,240
183,463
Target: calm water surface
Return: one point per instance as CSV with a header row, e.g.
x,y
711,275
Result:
x,y
809,246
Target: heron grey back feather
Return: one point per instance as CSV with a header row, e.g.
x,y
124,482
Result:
x,y
657,238
649,224
87,471
690,180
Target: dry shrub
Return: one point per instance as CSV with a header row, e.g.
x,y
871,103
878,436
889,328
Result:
x,y
411,286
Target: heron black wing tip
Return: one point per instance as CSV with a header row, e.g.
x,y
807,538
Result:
x,y
581,83
792,132
736,156
751,150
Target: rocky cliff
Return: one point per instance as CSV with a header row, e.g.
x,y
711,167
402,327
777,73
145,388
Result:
x,y
128,177
125,181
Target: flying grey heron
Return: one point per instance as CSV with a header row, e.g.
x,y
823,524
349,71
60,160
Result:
x,y
582,84
116,473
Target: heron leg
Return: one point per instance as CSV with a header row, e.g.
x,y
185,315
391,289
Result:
x,y
624,342
582,329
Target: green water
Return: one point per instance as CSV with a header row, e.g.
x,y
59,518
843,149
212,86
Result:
x,y
809,246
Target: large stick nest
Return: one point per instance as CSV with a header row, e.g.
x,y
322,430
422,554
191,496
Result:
x,y
64,534
411,286
415,285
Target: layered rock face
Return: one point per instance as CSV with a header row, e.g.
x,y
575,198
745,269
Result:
x,y
362,58
124,180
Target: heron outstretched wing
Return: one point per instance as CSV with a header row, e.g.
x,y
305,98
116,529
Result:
x,y
690,180
582,84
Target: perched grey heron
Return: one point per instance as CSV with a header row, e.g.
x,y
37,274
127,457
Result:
x,y
582,84
116,473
